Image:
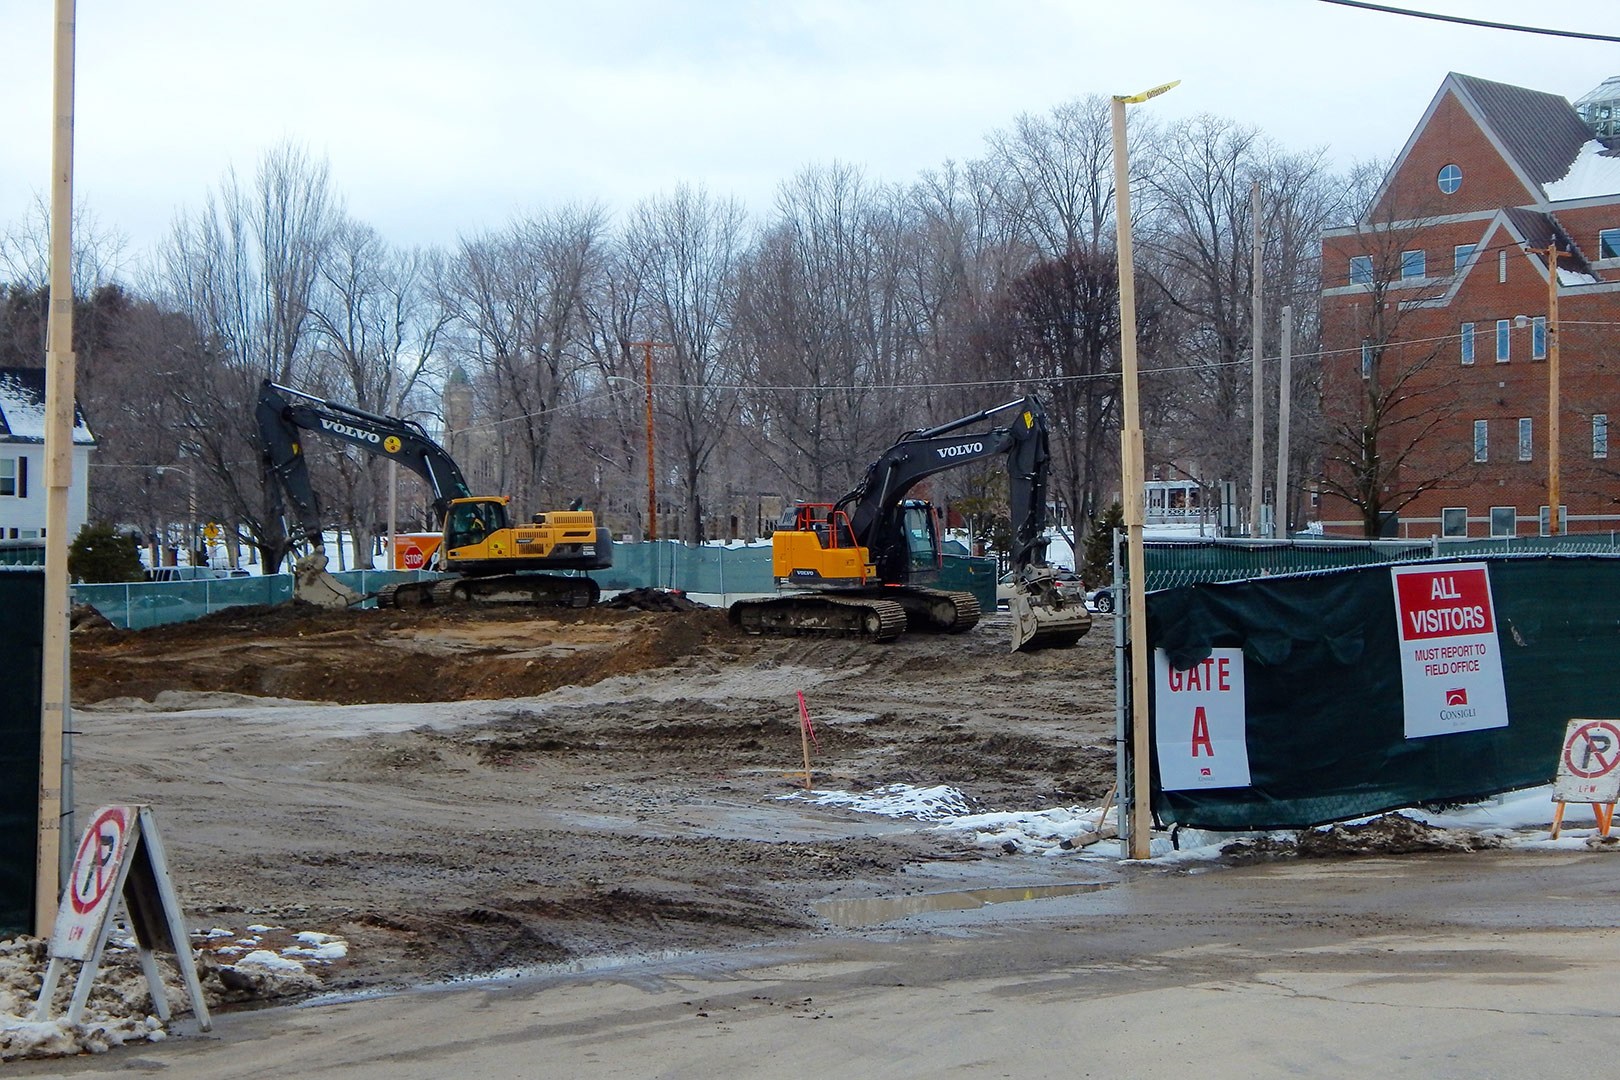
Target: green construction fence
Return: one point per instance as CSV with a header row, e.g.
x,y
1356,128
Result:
x,y
1324,712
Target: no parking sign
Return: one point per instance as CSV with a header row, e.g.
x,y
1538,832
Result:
x,y
1589,767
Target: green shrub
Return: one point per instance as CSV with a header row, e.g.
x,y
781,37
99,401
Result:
x,y
100,554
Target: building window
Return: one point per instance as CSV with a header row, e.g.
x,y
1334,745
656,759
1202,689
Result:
x,y
1366,359
1361,269
1526,426
1482,439
8,476
1538,338
1467,340
1609,244
1502,327
1413,265
1501,266
1450,179
1563,521
1460,256
1504,520
1454,521
1600,435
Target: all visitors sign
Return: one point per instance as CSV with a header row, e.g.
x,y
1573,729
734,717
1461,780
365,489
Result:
x,y
1451,662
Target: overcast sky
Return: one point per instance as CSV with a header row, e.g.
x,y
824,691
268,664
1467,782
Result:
x,y
442,120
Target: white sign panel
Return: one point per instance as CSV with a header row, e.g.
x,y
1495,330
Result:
x,y
1589,767
96,877
1201,723
1451,662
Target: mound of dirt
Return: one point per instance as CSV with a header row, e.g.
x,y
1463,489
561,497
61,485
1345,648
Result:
x,y
654,600
307,653
1387,834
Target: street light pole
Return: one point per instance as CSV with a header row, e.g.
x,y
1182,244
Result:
x,y
1132,470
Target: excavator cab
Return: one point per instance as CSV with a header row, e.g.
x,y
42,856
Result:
x,y
920,527
471,521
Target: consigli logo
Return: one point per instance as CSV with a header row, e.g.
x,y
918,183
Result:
x,y
1459,696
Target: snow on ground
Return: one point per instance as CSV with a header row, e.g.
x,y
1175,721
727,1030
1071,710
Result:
x,y
256,964
1518,819
1039,832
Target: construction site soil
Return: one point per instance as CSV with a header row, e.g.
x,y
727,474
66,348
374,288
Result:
x,y
460,791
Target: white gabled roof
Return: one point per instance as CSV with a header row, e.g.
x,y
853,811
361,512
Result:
x,y
22,408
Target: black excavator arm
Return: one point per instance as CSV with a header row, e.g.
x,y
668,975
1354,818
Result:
x,y
875,505
283,413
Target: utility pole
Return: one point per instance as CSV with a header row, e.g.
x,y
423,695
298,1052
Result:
x,y
652,486
1285,378
55,752
1257,470
1553,524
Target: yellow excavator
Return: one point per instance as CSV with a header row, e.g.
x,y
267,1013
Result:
x,y
491,556
864,565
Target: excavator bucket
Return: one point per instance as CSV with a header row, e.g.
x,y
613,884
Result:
x,y
312,584
1043,619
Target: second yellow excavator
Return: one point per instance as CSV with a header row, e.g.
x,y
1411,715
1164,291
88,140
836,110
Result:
x,y
865,565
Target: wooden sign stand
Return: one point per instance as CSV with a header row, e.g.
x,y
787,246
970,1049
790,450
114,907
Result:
x,y
120,857
1603,812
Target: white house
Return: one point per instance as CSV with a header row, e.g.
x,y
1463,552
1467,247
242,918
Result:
x,y
22,458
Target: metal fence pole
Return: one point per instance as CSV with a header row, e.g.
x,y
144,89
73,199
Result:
x,y
1122,682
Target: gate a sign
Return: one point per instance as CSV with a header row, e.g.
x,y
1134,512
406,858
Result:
x,y
1451,661
1200,722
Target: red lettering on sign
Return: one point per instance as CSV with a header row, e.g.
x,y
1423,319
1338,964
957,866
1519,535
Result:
x,y
1444,603
1200,736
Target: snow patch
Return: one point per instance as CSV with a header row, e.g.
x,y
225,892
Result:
x,y
1592,173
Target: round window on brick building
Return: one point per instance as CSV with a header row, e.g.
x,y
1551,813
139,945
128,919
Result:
x,y
1450,179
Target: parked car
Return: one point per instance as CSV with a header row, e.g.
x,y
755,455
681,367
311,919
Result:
x,y
1102,599
191,573
1069,586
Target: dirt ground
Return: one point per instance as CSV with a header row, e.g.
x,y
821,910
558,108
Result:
x,y
455,793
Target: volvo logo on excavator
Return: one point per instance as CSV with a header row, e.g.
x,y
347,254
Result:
x,y
958,451
351,432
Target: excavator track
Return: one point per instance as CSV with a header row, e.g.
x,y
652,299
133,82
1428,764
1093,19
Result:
x,y
543,590
936,611
875,620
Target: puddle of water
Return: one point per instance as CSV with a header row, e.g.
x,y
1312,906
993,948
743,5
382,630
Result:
x,y
882,909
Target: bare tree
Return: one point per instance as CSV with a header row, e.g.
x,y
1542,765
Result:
x,y
686,249
830,334
376,329
1380,428
519,301
242,274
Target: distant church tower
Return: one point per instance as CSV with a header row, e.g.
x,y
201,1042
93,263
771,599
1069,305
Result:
x,y
458,416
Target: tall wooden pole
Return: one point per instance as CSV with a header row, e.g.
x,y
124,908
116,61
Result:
x,y
1553,523
1132,492
1257,439
1285,379
652,475
55,757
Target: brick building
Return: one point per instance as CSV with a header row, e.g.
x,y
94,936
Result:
x,y
1435,322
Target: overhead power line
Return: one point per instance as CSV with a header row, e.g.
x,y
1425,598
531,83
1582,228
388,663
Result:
x,y
1487,23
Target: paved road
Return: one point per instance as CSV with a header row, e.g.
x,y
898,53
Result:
x,y
1477,966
